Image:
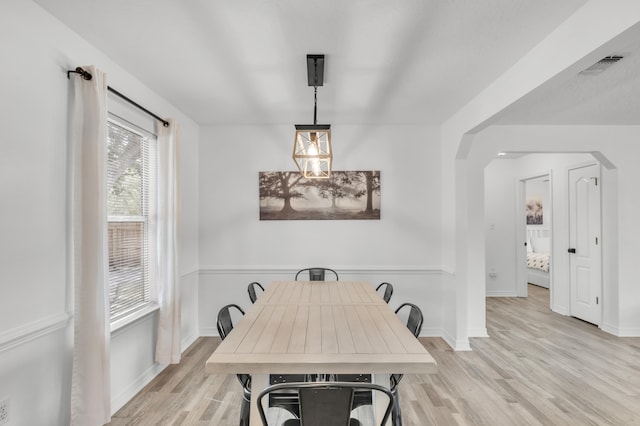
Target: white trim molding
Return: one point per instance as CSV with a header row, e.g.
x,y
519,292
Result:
x,y
477,332
118,401
448,270
501,293
458,345
33,330
279,270
562,310
621,331
210,331
188,274
431,332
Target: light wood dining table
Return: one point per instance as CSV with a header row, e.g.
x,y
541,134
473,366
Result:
x,y
319,327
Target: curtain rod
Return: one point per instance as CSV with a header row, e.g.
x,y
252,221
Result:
x,y
86,75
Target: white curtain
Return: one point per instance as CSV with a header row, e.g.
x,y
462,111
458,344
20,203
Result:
x,y
90,382
168,343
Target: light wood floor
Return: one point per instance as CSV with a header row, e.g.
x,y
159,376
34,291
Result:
x,y
537,368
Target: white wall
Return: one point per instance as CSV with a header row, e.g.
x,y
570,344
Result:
x,y
35,325
403,247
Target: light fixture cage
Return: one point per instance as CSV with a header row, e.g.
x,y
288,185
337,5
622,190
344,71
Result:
x,y
312,150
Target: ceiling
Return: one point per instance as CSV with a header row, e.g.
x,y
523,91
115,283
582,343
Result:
x,y
387,61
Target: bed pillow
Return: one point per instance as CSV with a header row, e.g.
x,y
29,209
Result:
x,y
541,245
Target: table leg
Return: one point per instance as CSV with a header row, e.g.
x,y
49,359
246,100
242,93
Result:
x,y
258,383
380,400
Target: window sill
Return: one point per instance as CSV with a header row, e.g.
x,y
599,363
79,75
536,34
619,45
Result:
x,y
150,308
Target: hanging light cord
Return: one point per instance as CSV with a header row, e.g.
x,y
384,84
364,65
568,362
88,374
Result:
x,y
315,105
315,92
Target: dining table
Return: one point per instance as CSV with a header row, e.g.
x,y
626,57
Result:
x,y
319,327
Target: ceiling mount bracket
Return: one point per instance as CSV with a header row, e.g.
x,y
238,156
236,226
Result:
x,y
315,70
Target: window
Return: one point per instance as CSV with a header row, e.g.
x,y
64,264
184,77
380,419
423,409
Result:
x,y
131,183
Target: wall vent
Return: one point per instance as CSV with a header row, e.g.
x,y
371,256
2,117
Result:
x,y
602,65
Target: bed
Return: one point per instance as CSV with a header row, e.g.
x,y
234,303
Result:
x,y
538,248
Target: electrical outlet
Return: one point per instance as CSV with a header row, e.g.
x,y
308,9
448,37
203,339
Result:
x,y
4,411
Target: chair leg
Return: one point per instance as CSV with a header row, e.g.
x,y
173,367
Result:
x,y
396,415
245,409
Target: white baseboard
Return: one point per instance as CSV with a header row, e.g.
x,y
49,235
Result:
x,y
457,345
611,329
118,401
431,332
478,332
562,310
187,341
208,332
501,294
621,331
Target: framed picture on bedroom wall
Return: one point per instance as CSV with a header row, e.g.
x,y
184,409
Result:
x,y
534,210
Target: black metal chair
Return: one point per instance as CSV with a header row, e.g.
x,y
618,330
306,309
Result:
x,y
285,400
415,319
414,324
388,291
225,325
325,403
252,291
317,274
224,321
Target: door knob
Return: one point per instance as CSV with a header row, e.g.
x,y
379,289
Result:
x,y
571,250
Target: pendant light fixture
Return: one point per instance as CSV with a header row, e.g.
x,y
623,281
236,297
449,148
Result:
x,y
312,145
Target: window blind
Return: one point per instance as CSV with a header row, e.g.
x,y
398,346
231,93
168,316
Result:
x,y
130,207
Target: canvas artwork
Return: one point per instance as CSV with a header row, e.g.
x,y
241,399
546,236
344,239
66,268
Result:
x,y
347,195
534,210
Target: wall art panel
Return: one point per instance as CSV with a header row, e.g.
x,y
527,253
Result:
x,y
347,195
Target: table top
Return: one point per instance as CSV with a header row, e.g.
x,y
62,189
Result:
x,y
320,327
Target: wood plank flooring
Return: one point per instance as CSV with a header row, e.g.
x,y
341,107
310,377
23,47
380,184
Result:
x,y
537,368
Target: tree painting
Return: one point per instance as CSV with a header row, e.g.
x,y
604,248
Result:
x,y
534,210
346,195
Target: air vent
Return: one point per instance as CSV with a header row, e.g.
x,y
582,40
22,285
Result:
x,y
602,65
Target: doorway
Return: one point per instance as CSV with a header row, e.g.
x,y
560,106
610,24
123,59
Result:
x,y
534,226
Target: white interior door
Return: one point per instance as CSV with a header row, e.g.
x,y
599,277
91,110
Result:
x,y
585,245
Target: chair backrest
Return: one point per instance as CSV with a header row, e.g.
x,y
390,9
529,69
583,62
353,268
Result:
x,y
414,324
388,291
317,274
224,322
252,291
414,321
225,325
325,403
